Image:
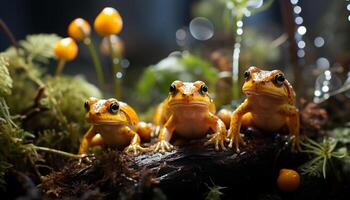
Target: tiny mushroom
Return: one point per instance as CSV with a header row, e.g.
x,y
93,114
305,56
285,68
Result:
x,y
108,22
79,29
65,50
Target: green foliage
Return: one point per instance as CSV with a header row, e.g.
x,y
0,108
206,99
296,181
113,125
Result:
x,y
24,68
324,155
63,123
342,135
214,192
39,47
155,81
15,151
5,79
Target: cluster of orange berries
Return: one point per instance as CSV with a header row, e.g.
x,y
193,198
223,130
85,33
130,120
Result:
x,y
108,22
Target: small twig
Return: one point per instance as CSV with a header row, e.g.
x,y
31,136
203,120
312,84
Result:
x,y
10,35
62,153
39,95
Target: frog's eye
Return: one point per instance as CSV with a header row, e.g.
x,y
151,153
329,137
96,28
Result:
x,y
172,88
114,108
204,89
279,79
86,106
246,75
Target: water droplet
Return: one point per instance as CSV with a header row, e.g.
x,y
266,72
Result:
x,y
115,60
300,53
319,41
119,75
325,88
239,31
299,20
297,9
322,63
348,7
293,2
317,93
201,28
301,44
325,83
125,63
301,30
239,23
349,18
252,4
180,34
176,54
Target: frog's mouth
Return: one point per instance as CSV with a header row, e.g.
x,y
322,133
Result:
x,y
251,92
106,122
188,104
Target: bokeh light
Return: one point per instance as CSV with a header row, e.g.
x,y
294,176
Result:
x,y
201,28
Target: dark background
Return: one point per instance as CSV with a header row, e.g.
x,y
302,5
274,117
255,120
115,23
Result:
x,y
149,25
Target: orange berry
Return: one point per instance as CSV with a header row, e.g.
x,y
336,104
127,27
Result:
x,y
288,180
79,29
108,22
66,49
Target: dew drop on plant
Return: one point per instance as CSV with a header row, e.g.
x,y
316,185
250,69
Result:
x,y
201,28
125,63
301,30
119,75
294,2
299,20
252,4
177,54
319,42
322,63
325,83
297,9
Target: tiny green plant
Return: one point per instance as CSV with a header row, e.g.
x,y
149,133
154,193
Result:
x,y
324,154
215,192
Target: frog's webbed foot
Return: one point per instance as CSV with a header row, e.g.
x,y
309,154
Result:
x,y
235,140
135,149
162,146
218,139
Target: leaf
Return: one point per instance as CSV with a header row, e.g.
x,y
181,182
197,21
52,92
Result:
x,y
5,79
40,47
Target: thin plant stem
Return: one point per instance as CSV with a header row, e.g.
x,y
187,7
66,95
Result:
x,y
60,66
115,68
235,59
10,35
97,62
62,153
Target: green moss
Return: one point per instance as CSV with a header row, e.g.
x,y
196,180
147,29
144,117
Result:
x,y
5,79
64,120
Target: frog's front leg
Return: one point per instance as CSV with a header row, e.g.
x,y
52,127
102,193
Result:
x,y
86,142
234,136
219,136
293,124
164,137
134,146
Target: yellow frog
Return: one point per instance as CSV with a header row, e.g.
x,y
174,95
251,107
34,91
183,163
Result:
x,y
114,123
270,106
188,113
